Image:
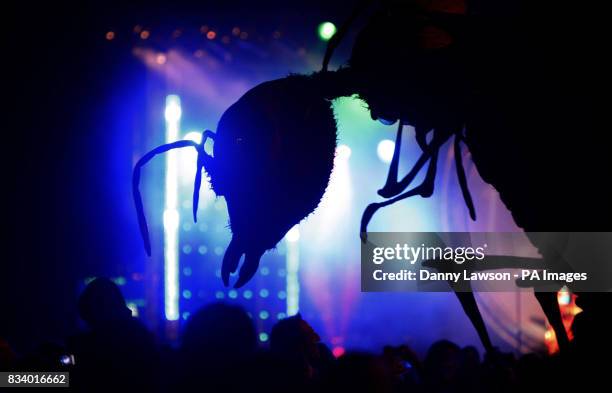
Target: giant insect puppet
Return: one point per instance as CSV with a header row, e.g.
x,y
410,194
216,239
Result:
x,y
446,74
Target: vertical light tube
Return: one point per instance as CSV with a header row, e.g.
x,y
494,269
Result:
x,y
171,214
292,241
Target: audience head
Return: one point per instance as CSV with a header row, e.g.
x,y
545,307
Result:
x,y
219,331
294,335
102,303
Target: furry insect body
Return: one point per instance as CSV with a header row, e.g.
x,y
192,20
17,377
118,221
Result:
x,y
273,156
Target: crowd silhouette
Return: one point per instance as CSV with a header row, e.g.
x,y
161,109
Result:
x,y
218,352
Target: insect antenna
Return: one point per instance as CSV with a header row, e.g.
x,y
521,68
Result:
x,y
336,39
203,160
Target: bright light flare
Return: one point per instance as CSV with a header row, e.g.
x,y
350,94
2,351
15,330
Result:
x,y
292,264
385,150
171,214
173,109
343,153
294,234
326,30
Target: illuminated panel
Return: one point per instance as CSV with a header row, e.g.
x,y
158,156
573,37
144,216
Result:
x,y
293,264
171,214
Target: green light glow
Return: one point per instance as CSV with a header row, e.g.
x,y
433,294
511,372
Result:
x,y
326,30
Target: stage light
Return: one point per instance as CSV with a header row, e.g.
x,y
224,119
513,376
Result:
x,y
219,295
563,297
195,136
186,315
264,293
187,271
248,294
338,351
385,150
293,235
187,294
173,109
263,314
292,265
171,216
326,30
160,59
133,308
263,337
233,294
343,152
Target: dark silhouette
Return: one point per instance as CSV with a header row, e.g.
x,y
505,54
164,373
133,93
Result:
x,y
358,372
7,356
116,350
218,352
294,342
441,366
217,344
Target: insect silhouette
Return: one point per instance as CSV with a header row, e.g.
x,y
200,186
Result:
x,y
449,76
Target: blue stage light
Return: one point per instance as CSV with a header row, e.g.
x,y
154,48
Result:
x,y
171,214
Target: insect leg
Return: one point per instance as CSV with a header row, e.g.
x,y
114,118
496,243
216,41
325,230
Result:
x,y
392,187
467,197
470,307
425,190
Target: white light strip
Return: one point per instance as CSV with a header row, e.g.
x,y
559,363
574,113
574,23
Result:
x,y
292,241
171,214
